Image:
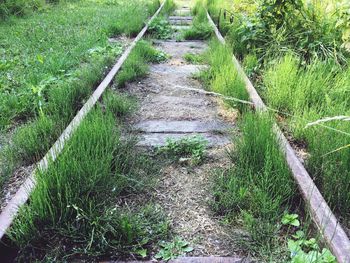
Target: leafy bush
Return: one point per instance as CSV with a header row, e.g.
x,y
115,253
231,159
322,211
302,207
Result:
x,y
19,7
279,26
344,24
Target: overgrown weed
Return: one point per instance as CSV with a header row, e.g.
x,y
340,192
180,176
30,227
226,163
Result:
x,y
191,148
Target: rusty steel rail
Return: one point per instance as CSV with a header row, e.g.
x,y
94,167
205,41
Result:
x,y
322,215
22,195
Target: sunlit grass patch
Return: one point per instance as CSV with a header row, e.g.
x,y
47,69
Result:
x,y
258,188
200,29
318,90
78,197
136,65
222,76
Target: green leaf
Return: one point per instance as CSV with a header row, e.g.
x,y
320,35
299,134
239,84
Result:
x,y
327,256
291,219
142,252
40,58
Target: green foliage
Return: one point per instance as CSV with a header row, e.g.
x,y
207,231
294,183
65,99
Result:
x,y
200,29
250,64
344,24
291,219
194,58
303,250
259,186
172,250
222,76
187,147
279,26
136,66
160,28
318,90
19,7
77,195
117,103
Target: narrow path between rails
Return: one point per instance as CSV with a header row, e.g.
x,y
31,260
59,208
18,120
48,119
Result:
x,y
167,111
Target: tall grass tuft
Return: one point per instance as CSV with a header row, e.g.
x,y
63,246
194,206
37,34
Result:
x,y
200,29
222,76
77,197
259,187
318,90
136,66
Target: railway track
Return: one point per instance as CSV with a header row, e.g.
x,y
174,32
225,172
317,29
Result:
x,y
22,195
323,217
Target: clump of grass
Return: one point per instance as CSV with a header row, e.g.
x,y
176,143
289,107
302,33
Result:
x,y
169,7
77,197
192,147
136,65
222,76
139,13
250,64
117,103
160,28
259,188
26,147
200,29
318,90
194,58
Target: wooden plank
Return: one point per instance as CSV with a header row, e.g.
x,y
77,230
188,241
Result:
x,y
23,193
322,215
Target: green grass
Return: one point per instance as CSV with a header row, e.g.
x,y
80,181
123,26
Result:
x,y
40,52
318,90
117,103
222,76
200,29
169,7
80,197
258,189
195,58
136,66
44,85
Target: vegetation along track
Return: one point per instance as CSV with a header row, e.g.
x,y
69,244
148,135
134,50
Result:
x,y
191,183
